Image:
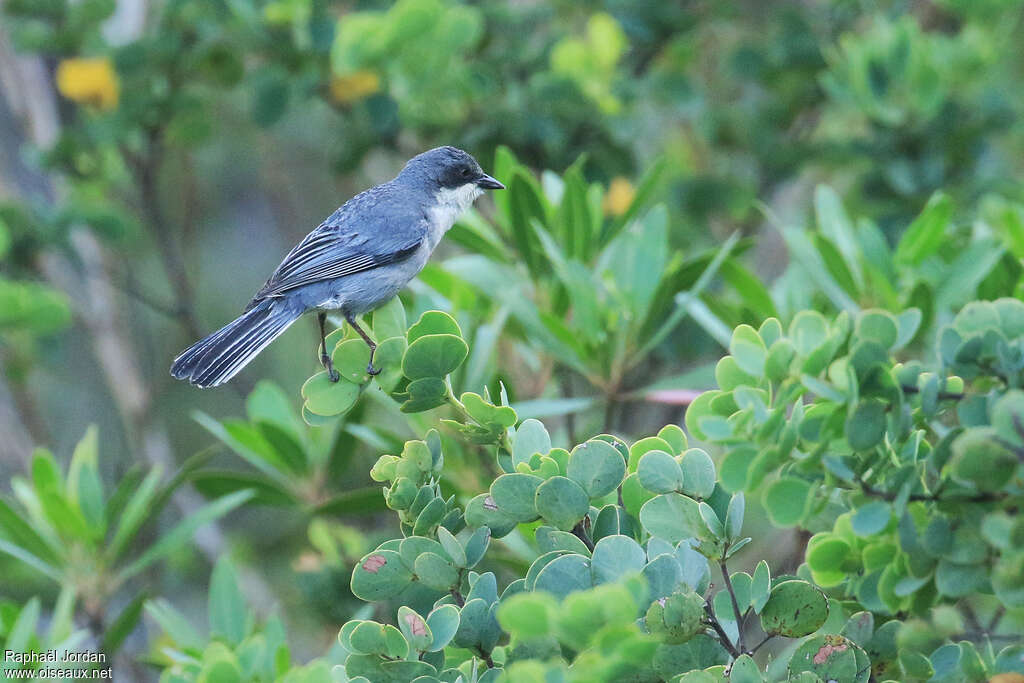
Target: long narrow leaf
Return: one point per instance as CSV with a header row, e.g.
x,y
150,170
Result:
x,y
136,512
17,552
20,533
682,308
646,187
122,626
184,530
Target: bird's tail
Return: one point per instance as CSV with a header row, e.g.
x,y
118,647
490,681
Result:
x,y
217,358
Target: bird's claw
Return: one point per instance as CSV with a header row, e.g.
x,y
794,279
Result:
x,y
333,375
372,371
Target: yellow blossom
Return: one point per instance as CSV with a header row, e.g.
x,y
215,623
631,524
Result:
x,y
354,86
619,197
89,80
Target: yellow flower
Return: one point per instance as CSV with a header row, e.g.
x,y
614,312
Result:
x,y
89,80
354,86
619,197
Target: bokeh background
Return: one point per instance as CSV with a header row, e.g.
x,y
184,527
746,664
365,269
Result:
x,y
159,157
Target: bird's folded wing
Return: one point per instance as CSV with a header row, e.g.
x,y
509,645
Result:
x,y
326,254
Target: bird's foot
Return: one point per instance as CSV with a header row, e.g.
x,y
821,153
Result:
x,y
372,371
328,364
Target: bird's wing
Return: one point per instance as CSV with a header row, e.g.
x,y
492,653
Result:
x,y
358,237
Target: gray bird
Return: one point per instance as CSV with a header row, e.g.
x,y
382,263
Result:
x,y
353,262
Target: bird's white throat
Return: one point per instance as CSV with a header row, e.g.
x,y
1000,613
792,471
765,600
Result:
x,y
449,204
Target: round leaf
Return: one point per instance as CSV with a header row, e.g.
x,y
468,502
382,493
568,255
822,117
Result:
x,y
562,502
381,575
597,467
434,355
794,609
659,472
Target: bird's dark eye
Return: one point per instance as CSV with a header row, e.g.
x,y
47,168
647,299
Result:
x,y
465,172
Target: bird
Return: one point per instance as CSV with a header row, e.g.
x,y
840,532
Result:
x,y
355,261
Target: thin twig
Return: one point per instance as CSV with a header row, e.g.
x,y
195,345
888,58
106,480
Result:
x,y
579,533
723,637
735,604
758,646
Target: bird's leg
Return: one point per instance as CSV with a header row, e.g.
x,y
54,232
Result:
x,y
370,370
325,357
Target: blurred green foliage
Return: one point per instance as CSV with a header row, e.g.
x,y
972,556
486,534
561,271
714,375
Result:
x,y
828,191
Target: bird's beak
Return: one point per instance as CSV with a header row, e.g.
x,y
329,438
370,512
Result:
x,y
488,183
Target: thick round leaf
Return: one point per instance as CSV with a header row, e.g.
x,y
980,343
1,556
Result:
x,y
982,460
698,473
794,609
443,623
871,518
879,326
381,575
562,502
564,575
433,322
659,472
830,658
515,495
672,517
616,556
482,511
527,615
436,572
786,501
434,355
350,360
327,398
596,466
425,394
748,349
866,427
389,320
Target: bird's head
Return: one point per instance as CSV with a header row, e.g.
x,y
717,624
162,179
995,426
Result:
x,y
448,168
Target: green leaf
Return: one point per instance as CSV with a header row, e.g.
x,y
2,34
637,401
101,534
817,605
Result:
x,y
425,394
527,615
415,629
872,518
324,397
659,472
380,575
760,586
136,511
786,501
562,502
483,512
122,626
794,609
672,517
389,320
734,517
182,532
435,572
749,350
433,323
515,495
597,467
530,437
744,670
926,233
229,615
443,623
865,428
434,355
698,473
615,557
564,575
877,325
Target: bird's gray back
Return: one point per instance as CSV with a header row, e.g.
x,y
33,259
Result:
x,y
377,227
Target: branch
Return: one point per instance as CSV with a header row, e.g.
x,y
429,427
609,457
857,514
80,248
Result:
x,y
943,395
735,604
723,637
